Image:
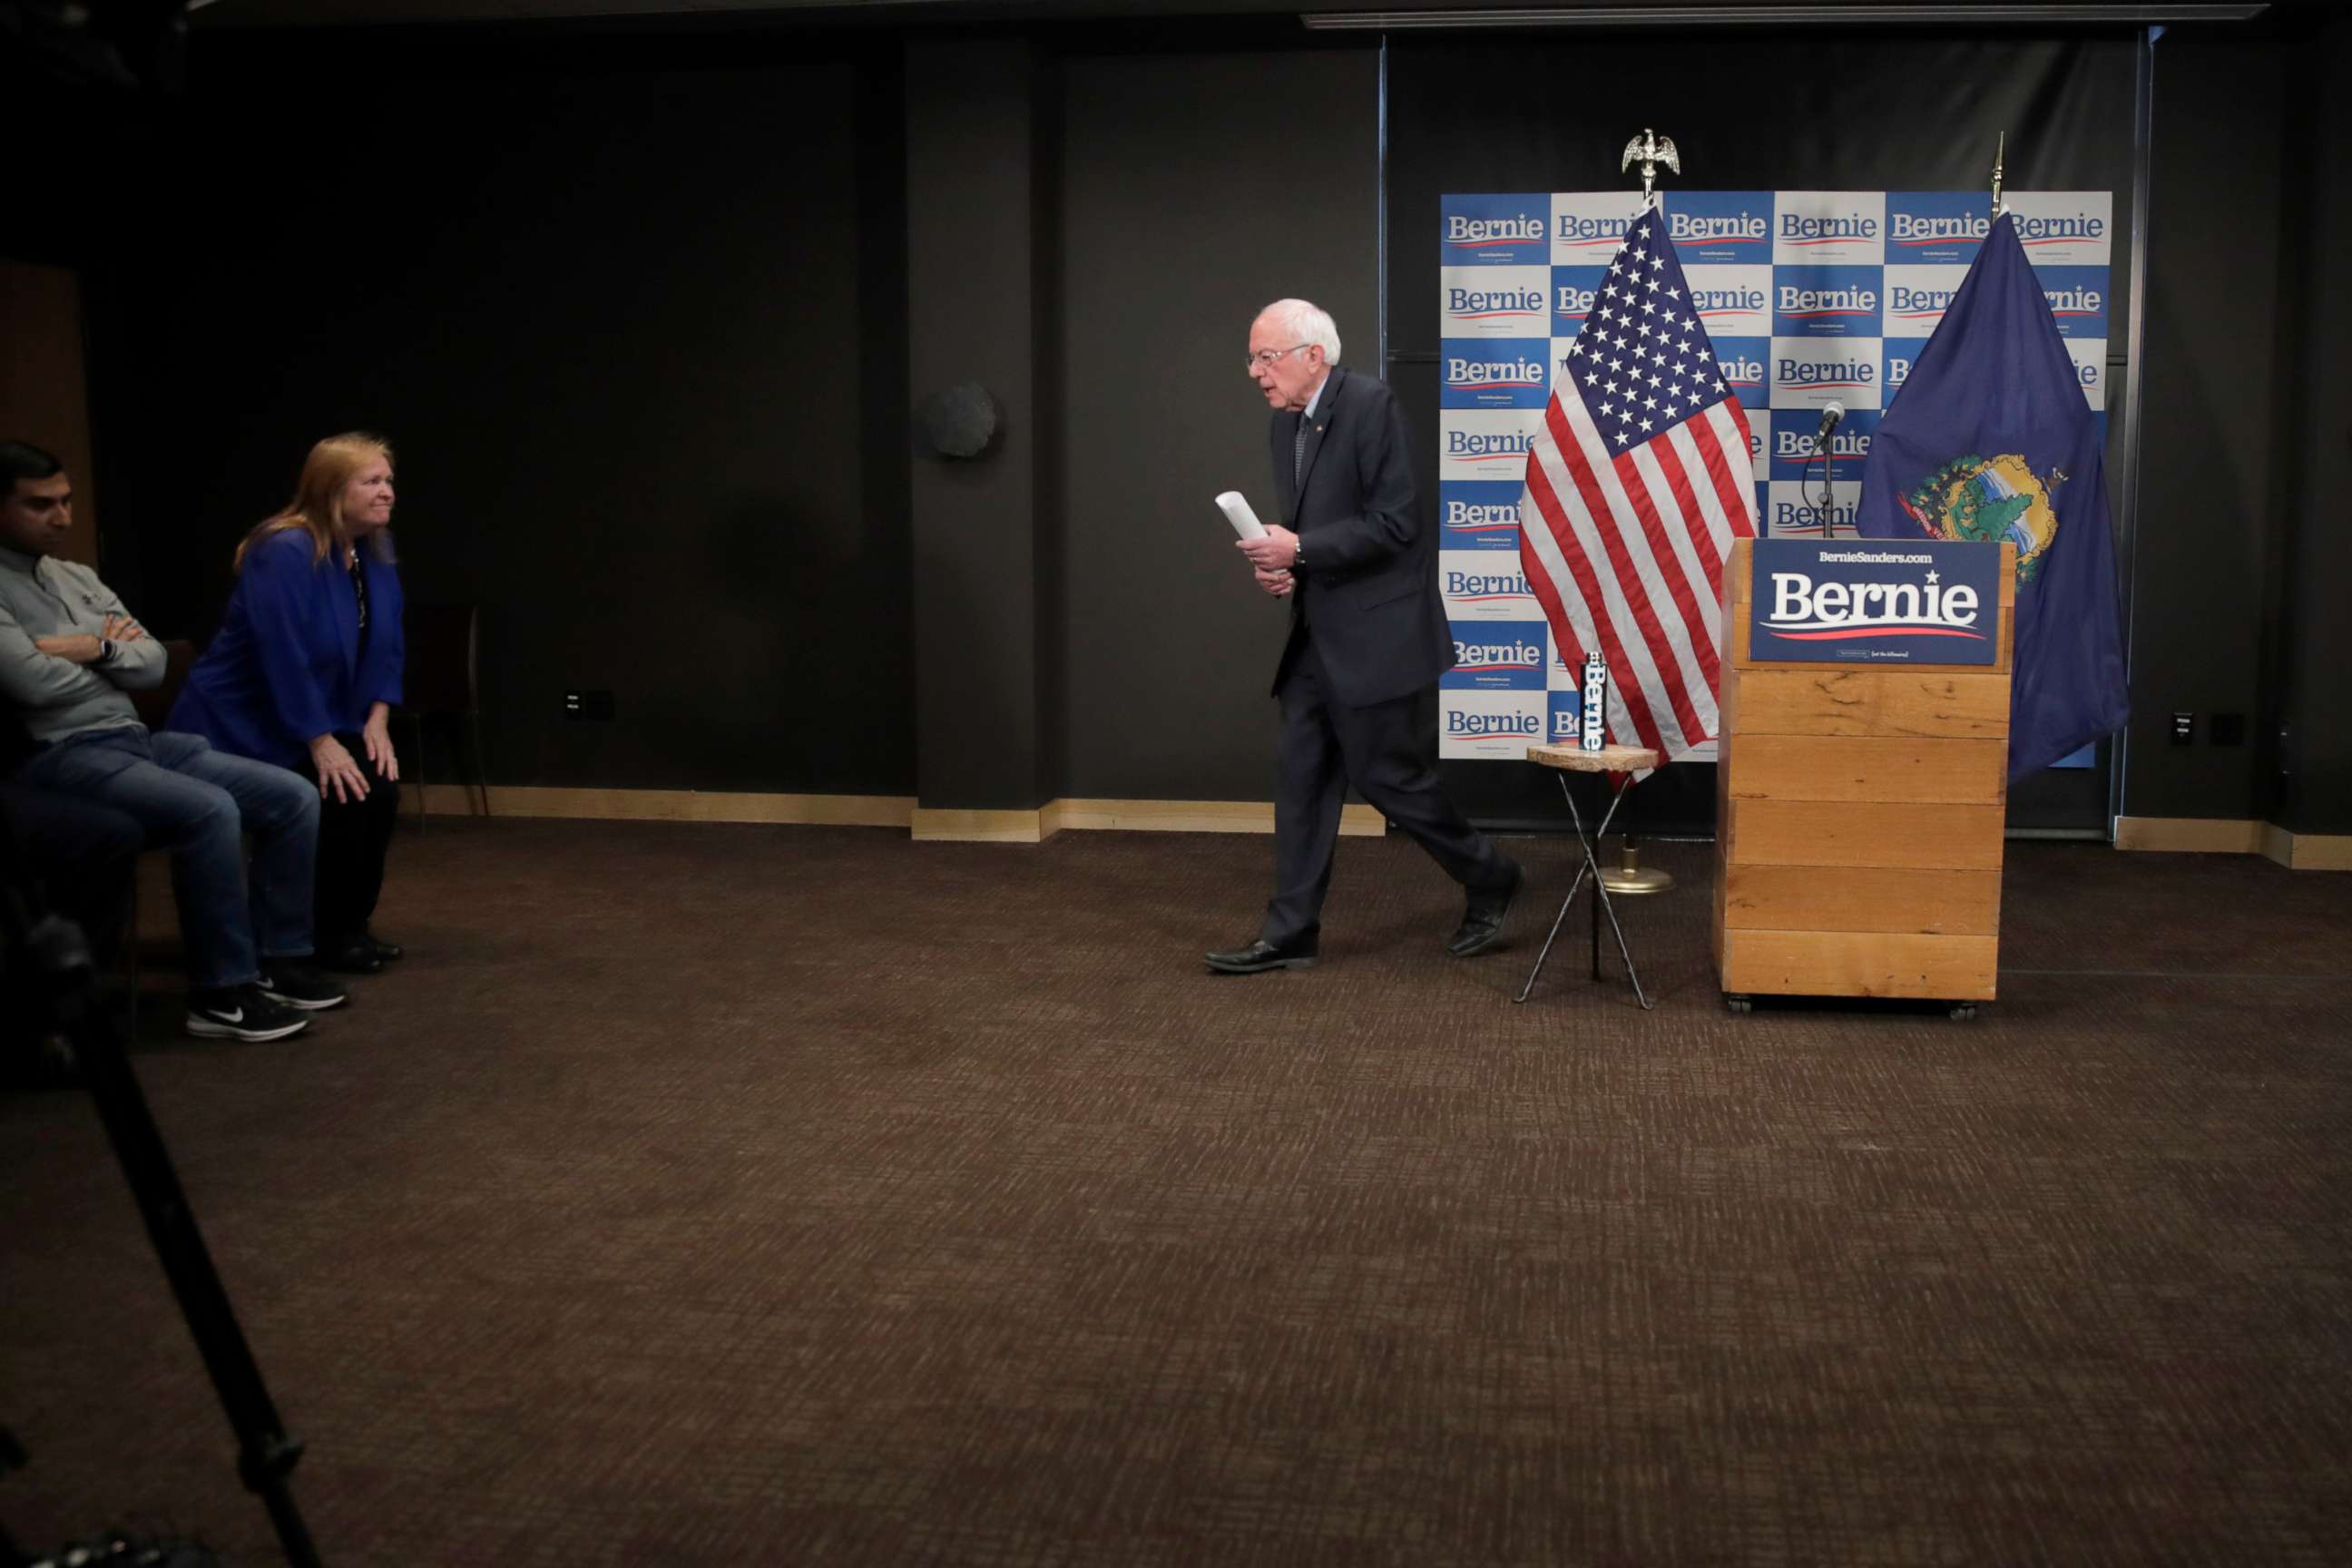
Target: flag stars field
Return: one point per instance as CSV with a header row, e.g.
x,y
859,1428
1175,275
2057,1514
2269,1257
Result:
x,y
1635,487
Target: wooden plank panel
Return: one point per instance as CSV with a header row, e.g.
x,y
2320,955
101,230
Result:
x,y
1870,767
43,396
1861,898
1865,833
1940,703
1853,963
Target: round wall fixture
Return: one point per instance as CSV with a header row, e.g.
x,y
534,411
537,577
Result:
x,y
959,422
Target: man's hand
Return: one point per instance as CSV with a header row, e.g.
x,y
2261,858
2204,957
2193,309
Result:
x,y
80,648
1278,583
1275,552
123,628
336,770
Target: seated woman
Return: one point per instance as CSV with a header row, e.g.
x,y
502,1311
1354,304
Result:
x,y
305,671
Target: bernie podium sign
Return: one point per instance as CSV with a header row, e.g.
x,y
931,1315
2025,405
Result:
x,y
1852,602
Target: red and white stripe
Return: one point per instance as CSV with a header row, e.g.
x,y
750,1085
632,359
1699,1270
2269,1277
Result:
x,y
1625,551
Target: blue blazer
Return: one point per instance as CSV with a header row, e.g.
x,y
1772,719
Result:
x,y
286,665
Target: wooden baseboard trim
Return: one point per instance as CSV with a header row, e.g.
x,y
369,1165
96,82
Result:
x,y
930,824
1120,816
2228,836
949,825
1200,816
2189,834
675,805
2306,851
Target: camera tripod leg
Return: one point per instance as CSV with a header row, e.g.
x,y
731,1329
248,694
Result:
x,y
266,1453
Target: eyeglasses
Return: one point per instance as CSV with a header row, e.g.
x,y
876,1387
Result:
x,y
1264,359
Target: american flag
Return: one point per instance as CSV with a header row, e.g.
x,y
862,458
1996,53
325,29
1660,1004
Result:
x,y
1636,486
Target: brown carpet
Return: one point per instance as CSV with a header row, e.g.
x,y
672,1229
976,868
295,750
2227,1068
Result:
x,y
701,1194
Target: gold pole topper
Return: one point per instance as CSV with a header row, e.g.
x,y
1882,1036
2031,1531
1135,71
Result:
x,y
1650,149
1998,149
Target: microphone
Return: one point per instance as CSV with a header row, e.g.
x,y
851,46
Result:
x,y
1831,411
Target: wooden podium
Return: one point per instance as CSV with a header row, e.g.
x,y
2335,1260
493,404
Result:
x,y
1859,813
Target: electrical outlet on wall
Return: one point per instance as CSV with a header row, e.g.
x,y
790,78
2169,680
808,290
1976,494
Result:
x,y
2184,729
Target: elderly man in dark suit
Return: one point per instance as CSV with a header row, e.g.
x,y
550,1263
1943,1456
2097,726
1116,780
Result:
x,y
1367,638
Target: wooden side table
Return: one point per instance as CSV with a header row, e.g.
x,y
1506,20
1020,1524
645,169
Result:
x,y
1575,759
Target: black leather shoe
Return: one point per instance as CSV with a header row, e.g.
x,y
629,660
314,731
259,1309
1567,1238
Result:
x,y
1259,956
385,952
1482,919
353,957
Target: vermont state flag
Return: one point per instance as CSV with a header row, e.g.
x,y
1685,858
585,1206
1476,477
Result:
x,y
1991,439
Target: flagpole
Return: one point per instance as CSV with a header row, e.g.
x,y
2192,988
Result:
x,y
1629,875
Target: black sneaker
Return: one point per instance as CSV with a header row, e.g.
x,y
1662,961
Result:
x,y
241,1013
293,983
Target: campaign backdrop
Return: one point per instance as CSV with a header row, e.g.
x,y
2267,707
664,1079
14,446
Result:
x,y
1809,296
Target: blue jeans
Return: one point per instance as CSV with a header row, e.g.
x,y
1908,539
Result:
x,y
195,802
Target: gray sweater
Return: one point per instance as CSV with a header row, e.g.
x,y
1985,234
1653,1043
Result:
x,y
41,596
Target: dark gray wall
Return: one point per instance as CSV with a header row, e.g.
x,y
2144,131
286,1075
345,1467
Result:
x,y
2315,646
625,315
1198,188
638,312
2212,487
984,697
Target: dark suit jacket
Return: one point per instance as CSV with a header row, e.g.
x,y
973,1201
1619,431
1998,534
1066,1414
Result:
x,y
1369,594
285,666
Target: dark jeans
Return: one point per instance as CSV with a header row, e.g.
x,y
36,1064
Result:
x,y
353,836
196,802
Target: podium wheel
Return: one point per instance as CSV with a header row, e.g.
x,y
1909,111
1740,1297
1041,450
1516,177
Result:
x,y
1738,1003
1963,1011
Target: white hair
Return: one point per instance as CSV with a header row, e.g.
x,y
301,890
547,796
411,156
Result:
x,y
1305,322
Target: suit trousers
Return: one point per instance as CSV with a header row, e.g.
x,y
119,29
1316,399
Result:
x,y
1383,749
353,836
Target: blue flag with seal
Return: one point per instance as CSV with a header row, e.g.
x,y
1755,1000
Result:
x,y
1991,438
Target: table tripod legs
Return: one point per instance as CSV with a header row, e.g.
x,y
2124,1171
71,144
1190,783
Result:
x,y
1601,898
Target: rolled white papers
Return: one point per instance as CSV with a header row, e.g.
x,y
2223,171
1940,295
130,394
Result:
x,y
1237,512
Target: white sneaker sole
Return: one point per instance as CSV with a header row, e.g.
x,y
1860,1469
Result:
x,y
307,1004
209,1029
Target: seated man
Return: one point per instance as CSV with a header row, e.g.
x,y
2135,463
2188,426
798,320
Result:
x,y
69,651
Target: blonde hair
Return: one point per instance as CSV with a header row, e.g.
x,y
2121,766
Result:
x,y
317,507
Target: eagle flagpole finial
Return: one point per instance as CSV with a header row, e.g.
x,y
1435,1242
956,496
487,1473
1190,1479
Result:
x,y
1651,149
1998,149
